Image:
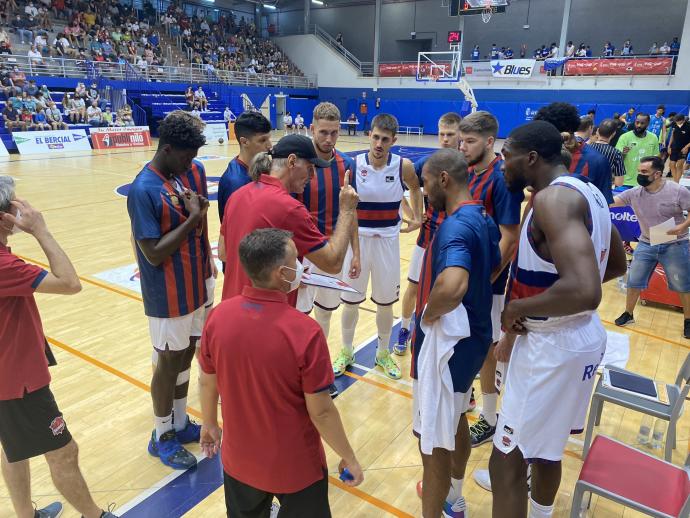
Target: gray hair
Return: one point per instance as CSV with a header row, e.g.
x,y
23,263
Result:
x,y
263,251
263,163
6,192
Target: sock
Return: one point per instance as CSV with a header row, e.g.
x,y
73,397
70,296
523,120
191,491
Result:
x,y
162,424
384,326
323,317
489,403
455,490
406,323
180,412
539,511
348,323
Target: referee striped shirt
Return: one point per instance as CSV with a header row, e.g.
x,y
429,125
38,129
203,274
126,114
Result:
x,y
614,157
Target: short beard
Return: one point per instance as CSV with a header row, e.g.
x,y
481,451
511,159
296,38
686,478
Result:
x,y
640,133
478,160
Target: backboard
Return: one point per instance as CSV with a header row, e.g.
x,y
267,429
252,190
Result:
x,y
442,66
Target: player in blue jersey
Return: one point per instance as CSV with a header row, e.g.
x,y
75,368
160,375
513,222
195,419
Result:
x,y
458,267
253,134
167,224
448,138
478,132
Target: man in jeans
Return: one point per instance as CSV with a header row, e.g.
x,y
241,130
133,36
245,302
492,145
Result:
x,y
655,201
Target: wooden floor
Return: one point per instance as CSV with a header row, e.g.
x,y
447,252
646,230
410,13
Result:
x,y
100,338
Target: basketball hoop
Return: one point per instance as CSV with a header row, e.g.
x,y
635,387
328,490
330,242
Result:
x,y
487,12
467,91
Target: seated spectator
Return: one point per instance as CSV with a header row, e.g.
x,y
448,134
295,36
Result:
x,y
30,10
80,90
5,48
627,49
44,19
20,25
4,37
126,115
35,57
54,117
46,93
79,106
31,88
28,103
94,115
12,118
6,82
665,49
27,120
59,10
200,98
654,49
108,116
196,111
40,121
352,128
609,49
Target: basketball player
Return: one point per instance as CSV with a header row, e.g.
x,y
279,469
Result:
x,y
253,134
167,223
478,133
567,248
458,266
380,180
448,138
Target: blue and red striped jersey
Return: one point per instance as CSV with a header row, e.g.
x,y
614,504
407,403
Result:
x,y
321,196
433,218
502,205
234,177
467,239
588,162
195,180
177,286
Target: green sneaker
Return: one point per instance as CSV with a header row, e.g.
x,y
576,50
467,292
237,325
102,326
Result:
x,y
342,362
390,368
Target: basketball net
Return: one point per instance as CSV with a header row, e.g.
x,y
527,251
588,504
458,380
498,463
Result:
x,y
487,12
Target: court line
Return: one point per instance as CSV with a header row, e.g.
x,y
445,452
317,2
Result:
x,y
384,506
378,384
650,335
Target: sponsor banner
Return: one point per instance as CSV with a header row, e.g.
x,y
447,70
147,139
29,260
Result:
x,y
625,221
211,184
477,69
512,68
3,149
120,136
32,142
214,131
619,66
408,69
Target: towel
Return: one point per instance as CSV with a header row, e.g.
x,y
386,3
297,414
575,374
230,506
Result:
x,y
434,397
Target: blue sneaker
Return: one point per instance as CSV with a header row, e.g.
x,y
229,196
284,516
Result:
x,y
190,433
54,510
455,510
169,450
403,339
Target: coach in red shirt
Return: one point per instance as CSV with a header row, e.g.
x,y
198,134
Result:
x,y
270,363
31,423
267,203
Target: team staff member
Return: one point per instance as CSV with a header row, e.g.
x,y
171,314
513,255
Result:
x,y
635,145
168,227
31,423
267,203
271,364
253,134
654,201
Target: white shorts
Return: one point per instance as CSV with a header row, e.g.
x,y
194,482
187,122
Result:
x,y
461,406
176,332
380,258
416,261
498,302
324,298
548,387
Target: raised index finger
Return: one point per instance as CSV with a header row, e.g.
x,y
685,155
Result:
x,y
346,179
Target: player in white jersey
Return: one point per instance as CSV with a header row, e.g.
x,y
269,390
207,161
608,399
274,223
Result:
x,y
380,179
567,248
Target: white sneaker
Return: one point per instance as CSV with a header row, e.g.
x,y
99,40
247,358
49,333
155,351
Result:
x,y
275,508
456,510
482,478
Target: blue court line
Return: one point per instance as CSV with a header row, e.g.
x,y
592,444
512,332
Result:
x,y
186,491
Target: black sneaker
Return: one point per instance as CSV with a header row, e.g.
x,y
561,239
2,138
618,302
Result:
x,y
686,328
333,391
627,318
481,432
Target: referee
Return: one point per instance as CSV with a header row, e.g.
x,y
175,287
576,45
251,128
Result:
x,y
602,143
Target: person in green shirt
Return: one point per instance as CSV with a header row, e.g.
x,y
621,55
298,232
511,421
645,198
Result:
x,y
635,145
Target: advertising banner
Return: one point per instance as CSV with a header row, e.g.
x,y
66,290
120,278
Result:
x,y
624,219
120,136
214,131
407,69
35,142
619,66
512,68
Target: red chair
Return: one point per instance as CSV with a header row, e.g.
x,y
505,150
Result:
x,y
633,478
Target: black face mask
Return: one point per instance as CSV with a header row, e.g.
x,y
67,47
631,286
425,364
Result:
x,y
644,180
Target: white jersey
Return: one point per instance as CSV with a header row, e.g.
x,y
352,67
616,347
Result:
x,y
380,193
530,274
287,120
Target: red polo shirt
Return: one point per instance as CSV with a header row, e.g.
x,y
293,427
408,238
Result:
x,y
264,204
23,362
266,356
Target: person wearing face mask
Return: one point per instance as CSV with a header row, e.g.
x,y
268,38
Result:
x,y
635,145
31,423
267,202
271,366
655,201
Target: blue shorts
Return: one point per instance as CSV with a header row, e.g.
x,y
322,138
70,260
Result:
x,y
674,257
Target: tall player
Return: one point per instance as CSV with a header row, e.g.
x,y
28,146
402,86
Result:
x,y
448,138
478,133
321,199
567,248
253,134
167,224
380,180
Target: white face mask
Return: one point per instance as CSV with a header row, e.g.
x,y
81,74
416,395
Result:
x,y
299,270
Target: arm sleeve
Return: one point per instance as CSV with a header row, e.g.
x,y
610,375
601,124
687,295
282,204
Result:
x,y
206,361
625,196
455,248
145,215
17,278
306,236
506,204
316,368
684,198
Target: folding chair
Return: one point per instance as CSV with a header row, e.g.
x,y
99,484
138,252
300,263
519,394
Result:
x,y
634,479
676,394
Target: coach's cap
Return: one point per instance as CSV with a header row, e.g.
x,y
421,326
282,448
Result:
x,y
300,146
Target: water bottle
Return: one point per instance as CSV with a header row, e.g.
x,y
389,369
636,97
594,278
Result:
x,y
658,434
645,429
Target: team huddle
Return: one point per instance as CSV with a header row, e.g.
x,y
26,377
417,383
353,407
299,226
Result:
x,y
493,291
